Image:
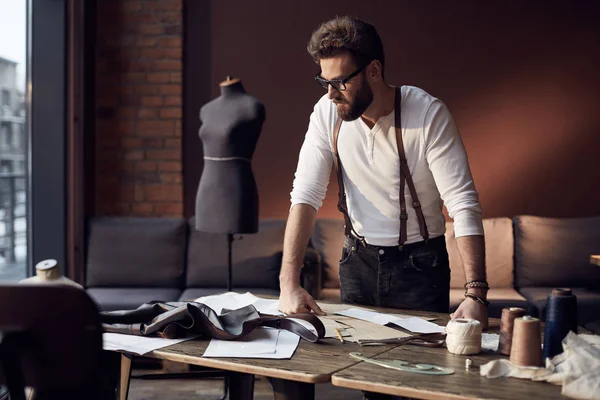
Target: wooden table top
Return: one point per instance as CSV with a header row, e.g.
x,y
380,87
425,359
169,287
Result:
x,y
311,363
595,260
463,384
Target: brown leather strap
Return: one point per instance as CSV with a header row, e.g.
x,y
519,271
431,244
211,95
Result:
x,y
405,179
342,204
405,175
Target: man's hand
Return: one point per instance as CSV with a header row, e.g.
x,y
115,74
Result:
x,y
295,299
472,309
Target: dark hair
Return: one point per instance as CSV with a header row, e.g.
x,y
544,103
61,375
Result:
x,y
347,34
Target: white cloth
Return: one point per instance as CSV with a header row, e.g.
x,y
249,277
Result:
x,y
436,158
577,369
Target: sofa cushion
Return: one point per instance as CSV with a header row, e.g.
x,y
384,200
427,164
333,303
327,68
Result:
x,y
499,298
191,294
110,299
498,254
135,252
328,239
555,252
588,302
331,294
256,258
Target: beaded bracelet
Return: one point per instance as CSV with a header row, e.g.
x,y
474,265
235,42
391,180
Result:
x,y
477,284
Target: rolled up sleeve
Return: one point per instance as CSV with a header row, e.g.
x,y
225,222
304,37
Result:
x,y
314,162
448,162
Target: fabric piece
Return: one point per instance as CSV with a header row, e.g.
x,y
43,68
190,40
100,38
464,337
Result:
x,y
588,302
135,252
436,158
256,257
180,319
499,250
577,369
555,252
109,299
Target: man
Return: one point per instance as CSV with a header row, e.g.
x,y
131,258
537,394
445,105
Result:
x,y
394,252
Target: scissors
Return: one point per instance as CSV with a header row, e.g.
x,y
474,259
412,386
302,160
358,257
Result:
x,y
401,365
424,339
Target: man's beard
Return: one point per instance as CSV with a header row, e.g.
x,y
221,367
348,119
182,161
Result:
x,y
356,108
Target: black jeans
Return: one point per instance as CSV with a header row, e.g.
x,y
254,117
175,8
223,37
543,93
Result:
x,y
414,277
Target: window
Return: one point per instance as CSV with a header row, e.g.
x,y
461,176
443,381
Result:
x,y
13,140
5,98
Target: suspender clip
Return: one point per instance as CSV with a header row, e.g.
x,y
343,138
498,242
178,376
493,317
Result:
x,y
362,241
403,216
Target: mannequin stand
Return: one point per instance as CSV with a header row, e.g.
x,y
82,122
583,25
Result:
x,y
229,261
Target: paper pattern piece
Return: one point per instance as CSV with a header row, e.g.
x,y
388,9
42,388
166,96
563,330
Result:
x,y
260,343
331,324
360,330
418,325
139,345
336,308
234,301
413,324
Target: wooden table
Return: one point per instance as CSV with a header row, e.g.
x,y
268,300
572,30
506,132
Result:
x,y
463,384
595,260
329,360
311,363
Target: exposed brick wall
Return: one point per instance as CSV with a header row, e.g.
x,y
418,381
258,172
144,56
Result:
x,y
138,94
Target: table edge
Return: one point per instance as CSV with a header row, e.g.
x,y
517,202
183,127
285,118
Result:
x,y
394,390
226,365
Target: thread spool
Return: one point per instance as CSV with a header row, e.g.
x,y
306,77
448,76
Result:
x,y
526,348
561,317
506,328
463,336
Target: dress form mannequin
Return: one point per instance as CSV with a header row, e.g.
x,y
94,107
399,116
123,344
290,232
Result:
x,y
227,197
48,272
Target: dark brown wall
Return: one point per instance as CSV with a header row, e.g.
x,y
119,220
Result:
x,y
521,80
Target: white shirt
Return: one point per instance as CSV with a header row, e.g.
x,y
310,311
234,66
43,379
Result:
x,y
370,168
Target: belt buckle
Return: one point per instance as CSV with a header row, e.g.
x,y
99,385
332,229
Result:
x,y
363,242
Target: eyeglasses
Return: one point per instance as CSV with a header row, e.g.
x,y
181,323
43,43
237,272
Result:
x,y
338,84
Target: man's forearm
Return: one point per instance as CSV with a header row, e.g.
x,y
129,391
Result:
x,y
298,229
472,252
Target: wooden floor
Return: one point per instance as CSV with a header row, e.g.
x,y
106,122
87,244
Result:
x,y
212,389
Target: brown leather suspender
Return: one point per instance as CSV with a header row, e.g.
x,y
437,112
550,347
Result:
x,y
405,177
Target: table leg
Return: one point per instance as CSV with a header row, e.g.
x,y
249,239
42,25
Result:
x,y
292,390
125,376
241,386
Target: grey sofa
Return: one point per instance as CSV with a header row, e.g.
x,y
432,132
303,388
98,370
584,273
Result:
x,y
526,257
134,260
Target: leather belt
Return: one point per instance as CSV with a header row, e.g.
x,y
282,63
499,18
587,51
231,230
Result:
x,y
361,243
